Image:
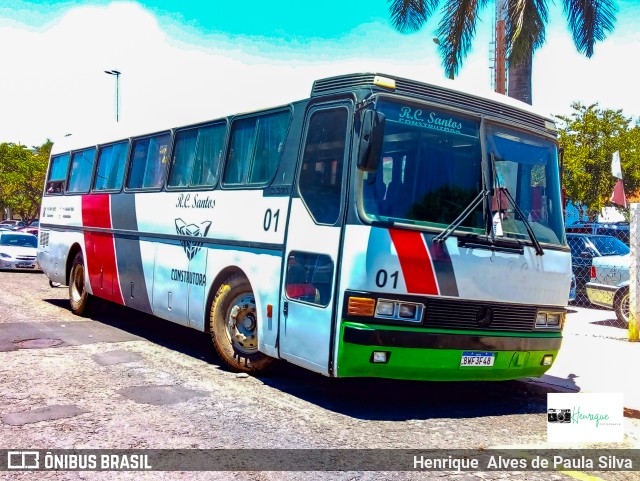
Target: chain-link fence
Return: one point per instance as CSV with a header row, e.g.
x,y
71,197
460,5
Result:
x,y
605,259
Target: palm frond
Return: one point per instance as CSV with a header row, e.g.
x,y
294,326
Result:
x,y
526,24
456,30
410,15
589,22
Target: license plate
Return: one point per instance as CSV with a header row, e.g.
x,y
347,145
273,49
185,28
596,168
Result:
x,y
479,359
24,264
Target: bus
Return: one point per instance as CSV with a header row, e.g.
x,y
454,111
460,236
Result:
x,y
382,227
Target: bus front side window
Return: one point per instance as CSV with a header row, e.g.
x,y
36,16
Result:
x,y
321,172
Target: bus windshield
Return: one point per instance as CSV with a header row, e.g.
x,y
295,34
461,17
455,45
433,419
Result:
x,y
430,170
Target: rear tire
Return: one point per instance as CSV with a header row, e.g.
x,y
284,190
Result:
x,y
79,298
621,305
234,327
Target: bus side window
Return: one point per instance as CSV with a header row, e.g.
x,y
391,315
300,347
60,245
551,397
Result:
x,y
110,171
81,170
148,162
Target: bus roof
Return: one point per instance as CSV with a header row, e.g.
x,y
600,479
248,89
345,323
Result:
x,y
445,91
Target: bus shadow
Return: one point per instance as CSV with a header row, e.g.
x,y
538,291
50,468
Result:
x,y
395,400
360,398
167,334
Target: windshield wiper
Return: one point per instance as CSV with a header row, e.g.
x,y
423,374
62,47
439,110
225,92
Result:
x,y
444,235
527,225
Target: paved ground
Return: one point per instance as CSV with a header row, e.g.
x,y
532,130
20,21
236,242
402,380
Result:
x,y
125,380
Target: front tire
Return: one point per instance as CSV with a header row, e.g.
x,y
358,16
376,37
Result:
x,y
621,304
234,327
79,298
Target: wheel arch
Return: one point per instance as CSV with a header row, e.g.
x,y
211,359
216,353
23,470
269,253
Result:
x,y
215,285
73,251
619,293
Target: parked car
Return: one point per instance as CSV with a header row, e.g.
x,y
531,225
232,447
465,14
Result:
x,y
12,224
609,284
18,250
586,247
620,230
29,230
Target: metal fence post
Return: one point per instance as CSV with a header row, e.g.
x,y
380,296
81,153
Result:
x,y
634,269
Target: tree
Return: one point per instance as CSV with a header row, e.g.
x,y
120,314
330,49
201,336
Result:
x,y
22,173
589,137
589,22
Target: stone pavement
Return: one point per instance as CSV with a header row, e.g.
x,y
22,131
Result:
x,y
596,356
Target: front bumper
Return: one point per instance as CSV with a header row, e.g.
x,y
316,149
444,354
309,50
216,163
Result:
x,y
601,294
418,354
16,264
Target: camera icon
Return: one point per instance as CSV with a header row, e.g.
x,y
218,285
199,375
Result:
x,y
559,415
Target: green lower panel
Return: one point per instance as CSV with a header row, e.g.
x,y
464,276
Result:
x,y
442,363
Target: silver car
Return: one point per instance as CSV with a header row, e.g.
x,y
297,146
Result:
x,y
609,285
18,250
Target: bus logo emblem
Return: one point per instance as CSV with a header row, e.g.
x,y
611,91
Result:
x,y
191,247
484,318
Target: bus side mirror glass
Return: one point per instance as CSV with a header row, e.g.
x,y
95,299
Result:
x,y
371,138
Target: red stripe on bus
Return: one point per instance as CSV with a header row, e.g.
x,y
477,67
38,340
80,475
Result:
x,y
100,249
416,264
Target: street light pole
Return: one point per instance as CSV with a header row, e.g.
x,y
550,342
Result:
x,y
116,73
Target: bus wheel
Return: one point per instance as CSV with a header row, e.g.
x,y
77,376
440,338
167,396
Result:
x,y
78,295
234,327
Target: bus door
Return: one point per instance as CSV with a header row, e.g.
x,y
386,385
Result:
x,y
313,240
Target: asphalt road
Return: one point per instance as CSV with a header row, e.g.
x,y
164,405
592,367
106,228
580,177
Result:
x,y
125,380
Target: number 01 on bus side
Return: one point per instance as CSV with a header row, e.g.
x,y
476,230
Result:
x,y
480,359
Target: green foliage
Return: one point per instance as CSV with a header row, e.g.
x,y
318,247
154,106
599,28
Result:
x,y
589,137
22,173
525,23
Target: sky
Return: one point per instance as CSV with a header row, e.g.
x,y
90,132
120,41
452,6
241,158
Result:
x,y
187,61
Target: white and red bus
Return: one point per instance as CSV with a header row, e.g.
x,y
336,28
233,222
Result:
x,y
382,227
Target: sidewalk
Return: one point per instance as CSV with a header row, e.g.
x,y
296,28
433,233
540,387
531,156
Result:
x,y
596,357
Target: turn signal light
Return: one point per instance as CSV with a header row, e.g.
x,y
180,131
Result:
x,y
361,306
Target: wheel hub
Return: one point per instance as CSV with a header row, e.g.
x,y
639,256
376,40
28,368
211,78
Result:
x,y
242,323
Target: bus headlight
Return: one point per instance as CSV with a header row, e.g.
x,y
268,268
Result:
x,y
385,308
551,319
408,311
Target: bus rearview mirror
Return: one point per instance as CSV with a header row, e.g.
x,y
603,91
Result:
x,y
371,138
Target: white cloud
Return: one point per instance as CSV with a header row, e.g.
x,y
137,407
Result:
x,y
53,79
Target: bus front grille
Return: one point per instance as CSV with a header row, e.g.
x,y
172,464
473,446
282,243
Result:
x,y
473,315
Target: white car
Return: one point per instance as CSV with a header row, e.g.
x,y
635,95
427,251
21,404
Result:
x,y
609,285
18,250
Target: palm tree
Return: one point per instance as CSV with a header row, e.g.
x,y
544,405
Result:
x,y
589,22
